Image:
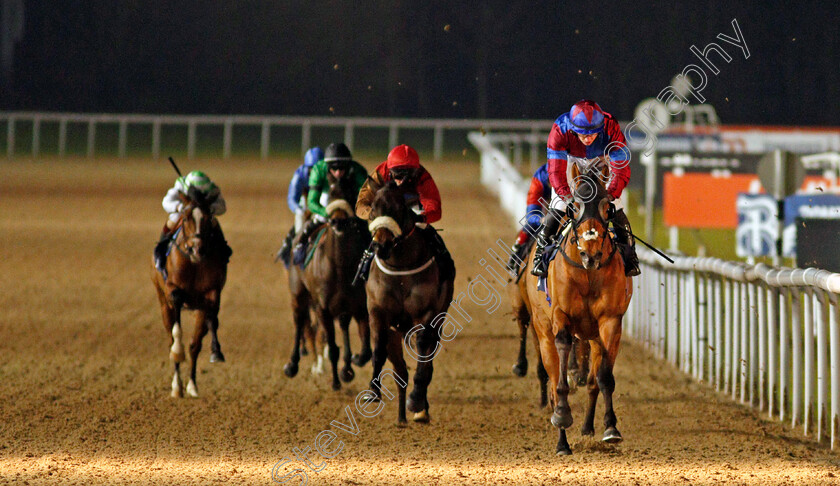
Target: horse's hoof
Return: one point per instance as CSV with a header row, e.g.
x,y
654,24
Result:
x,y
587,431
347,374
422,417
416,406
612,436
564,451
562,420
336,385
177,393
192,390
370,398
520,369
217,357
402,422
361,359
290,369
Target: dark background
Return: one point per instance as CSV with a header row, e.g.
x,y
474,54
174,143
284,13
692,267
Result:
x,y
494,59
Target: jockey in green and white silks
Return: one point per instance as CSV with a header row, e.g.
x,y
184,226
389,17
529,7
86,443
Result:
x,y
173,205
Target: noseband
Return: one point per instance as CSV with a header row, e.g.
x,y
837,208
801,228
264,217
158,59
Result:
x,y
575,238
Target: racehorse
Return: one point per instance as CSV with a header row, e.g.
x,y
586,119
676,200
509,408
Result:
x,y
325,285
589,296
196,270
406,297
529,304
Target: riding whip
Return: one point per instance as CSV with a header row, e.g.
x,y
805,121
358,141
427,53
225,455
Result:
x,y
172,161
658,252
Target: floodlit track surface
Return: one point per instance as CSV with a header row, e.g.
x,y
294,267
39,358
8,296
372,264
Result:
x,y
85,375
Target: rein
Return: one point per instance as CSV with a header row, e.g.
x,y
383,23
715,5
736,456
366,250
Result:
x,y
413,271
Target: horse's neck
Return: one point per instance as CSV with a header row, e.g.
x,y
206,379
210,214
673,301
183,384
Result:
x,y
410,252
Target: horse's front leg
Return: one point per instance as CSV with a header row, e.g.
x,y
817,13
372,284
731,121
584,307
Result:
x,y
347,373
365,354
520,368
301,318
327,323
380,330
171,310
428,342
201,327
216,355
395,354
562,416
595,357
610,332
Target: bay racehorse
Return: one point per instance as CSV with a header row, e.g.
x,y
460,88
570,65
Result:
x,y
589,296
530,304
406,297
196,270
325,285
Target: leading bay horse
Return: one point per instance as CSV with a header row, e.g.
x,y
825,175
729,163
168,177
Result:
x,y
530,304
325,284
406,297
589,296
196,270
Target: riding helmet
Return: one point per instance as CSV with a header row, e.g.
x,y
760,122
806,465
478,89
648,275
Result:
x,y
312,156
586,117
337,152
198,180
403,156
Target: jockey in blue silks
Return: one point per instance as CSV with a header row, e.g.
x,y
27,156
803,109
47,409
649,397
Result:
x,y
298,188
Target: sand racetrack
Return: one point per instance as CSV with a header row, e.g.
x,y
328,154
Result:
x,y
85,375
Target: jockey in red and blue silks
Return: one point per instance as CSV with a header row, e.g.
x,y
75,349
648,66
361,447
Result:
x,y
587,131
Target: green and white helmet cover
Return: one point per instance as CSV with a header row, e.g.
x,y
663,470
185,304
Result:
x,y
199,180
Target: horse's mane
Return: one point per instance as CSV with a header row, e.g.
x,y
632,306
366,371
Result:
x,y
390,201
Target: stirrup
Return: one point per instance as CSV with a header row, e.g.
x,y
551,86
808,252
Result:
x,y
539,264
299,253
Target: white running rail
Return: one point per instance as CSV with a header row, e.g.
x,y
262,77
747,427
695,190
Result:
x,y
192,122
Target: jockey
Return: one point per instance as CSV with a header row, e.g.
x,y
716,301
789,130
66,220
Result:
x,y
296,199
421,192
539,195
173,205
587,132
337,164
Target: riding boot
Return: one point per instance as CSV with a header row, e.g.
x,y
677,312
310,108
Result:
x,y
160,251
363,270
299,253
225,250
551,223
286,250
442,255
624,235
515,258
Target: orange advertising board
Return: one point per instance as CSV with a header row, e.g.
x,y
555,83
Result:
x,y
702,200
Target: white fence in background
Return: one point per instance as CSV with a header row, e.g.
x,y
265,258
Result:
x,y
192,122
769,337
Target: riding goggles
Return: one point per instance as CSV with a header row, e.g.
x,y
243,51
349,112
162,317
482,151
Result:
x,y
402,173
338,165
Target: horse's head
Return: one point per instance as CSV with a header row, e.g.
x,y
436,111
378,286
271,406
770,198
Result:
x,y
341,199
196,224
392,218
592,211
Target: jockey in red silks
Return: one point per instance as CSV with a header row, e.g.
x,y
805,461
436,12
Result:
x,y
587,131
421,195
